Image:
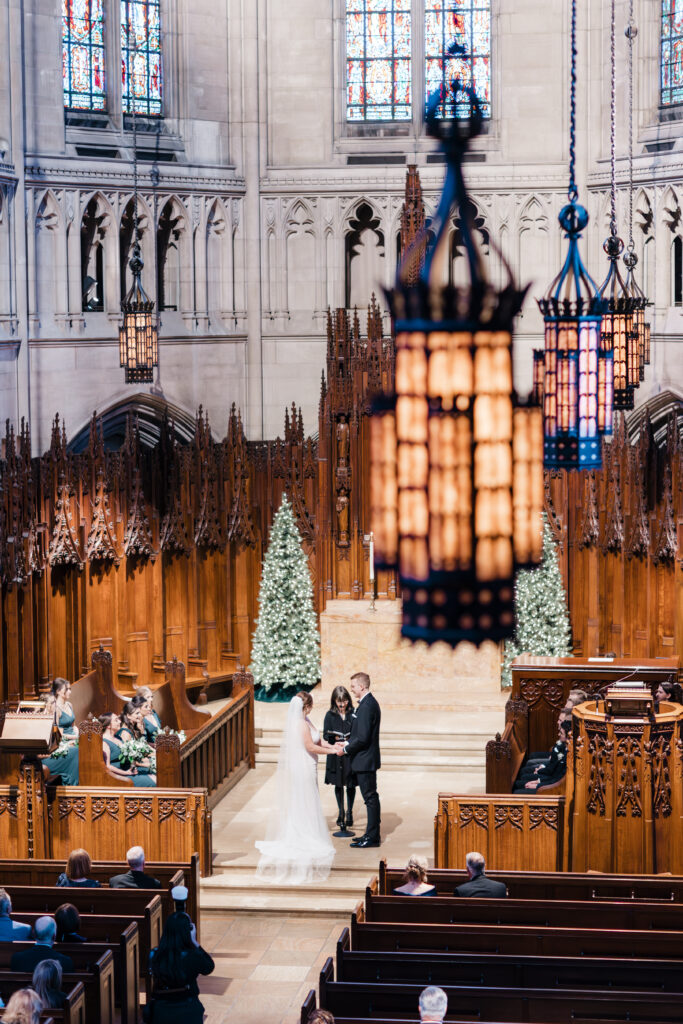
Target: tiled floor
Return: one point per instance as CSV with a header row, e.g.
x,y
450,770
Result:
x,y
265,965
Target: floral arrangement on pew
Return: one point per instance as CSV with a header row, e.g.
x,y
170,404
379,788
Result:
x,y
134,752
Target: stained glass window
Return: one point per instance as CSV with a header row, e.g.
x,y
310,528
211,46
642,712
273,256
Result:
x,y
467,22
141,56
83,54
378,60
672,52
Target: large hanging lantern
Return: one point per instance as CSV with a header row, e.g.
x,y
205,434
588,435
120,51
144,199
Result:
x,y
138,335
577,377
457,476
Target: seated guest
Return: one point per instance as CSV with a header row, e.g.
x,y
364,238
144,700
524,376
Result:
x,y
23,1007
136,877
78,867
27,959
11,931
64,766
111,751
669,691
320,1017
174,966
47,982
150,719
479,885
68,921
415,880
548,772
433,1003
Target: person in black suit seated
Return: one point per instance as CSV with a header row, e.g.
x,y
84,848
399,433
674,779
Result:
x,y
433,1004
415,880
480,885
338,773
363,750
78,867
47,982
174,966
27,959
136,877
550,771
68,922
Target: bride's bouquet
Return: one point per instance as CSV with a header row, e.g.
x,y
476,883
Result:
x,y
134,752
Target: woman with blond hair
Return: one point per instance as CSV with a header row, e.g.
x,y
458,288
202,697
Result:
x,y
298,848
23,1007
415,879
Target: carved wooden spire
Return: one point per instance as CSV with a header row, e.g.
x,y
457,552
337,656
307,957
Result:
x,y
412,224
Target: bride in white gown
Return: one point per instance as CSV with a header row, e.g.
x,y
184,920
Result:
x,y
298,848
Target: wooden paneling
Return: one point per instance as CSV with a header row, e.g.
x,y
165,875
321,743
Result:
x,y
507,830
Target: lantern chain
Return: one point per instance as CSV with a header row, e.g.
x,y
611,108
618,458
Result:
x,y
131,108
630,35
613,111
572,193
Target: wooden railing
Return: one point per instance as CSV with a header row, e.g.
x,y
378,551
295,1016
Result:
x,y
510,831
223,750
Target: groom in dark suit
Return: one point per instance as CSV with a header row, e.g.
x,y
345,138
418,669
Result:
x,y
363,749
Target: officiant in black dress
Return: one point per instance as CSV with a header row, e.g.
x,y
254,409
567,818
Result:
x,y
338,773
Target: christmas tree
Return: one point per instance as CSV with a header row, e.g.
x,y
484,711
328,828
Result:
x,y
541,617
285,656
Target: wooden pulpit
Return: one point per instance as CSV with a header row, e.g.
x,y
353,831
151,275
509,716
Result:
x,y
624,784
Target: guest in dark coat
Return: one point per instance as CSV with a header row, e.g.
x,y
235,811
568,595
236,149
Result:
x,y
47,982
136,877
551,769
174,966
28,959
338,773
480,885
68,923
78,867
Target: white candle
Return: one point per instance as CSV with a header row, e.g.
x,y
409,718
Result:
x,y
372,557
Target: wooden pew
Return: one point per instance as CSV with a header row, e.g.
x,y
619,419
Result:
x,y
372,999
130,904
510,939
126,954
511,971
45,873
550,885
540,913
96,981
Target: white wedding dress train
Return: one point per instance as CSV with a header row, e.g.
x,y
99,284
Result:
x,y
298,848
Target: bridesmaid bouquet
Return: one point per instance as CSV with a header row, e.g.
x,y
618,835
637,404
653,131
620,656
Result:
x,y
133,752
65,746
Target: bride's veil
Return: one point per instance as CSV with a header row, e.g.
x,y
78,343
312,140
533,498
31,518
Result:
x,y
298,847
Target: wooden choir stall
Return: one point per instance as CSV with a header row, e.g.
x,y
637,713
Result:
x,y
619,808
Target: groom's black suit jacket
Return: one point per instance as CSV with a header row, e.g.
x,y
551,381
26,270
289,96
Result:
x,y
363,745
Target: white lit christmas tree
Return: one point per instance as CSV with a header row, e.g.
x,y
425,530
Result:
x,y
541,618
285,656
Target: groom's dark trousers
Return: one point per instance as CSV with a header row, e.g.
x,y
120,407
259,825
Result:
x,y
363,749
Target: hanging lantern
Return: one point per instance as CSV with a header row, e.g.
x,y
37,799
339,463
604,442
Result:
x,y
539,374
457,476
640,326
138,335
577,384
618,328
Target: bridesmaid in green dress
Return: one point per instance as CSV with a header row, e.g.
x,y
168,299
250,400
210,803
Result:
x,y
130,728
65,766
